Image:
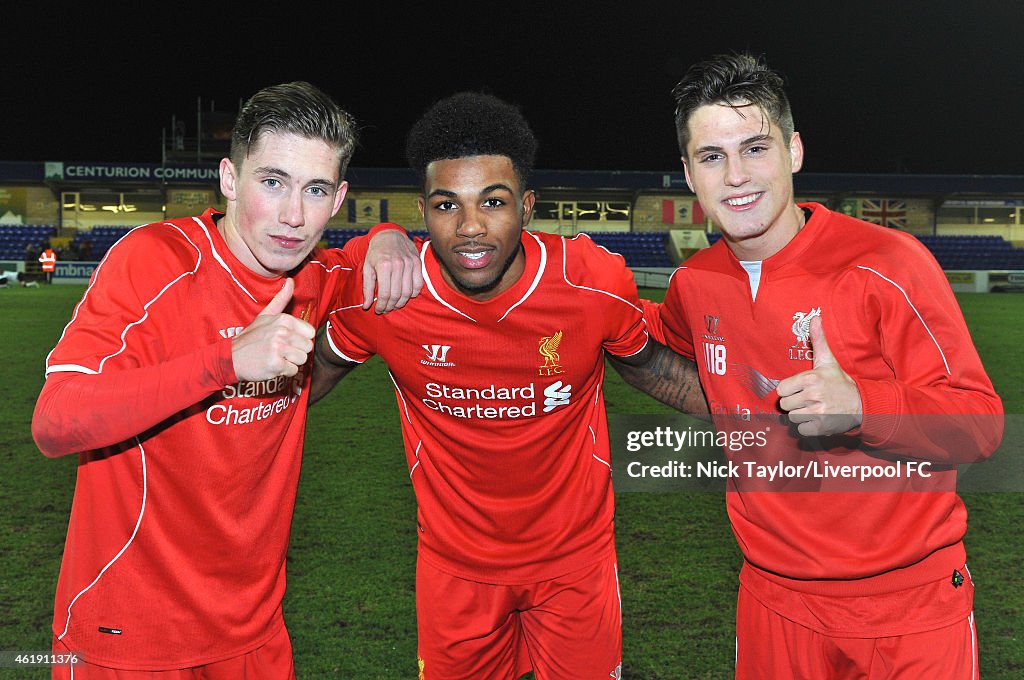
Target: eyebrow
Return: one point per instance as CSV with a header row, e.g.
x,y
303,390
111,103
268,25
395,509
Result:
x,y
498,186
746,142
268,170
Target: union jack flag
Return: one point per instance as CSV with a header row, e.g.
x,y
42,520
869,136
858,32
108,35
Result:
x,y
885,212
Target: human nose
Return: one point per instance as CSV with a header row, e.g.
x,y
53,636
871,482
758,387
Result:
x,y
471,224
292,212
735,172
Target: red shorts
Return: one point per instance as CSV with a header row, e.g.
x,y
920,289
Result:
x,y
769,645
567,628
271,661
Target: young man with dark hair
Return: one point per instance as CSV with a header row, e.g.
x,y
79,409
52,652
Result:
x,y
182,382
844,579
498,370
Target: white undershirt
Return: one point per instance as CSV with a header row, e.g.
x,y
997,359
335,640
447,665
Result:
x,y
753,268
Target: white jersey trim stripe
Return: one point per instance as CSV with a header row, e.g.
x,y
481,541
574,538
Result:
x,y
332,267
95,277
131,539
565,277
536,279
919,317
974,646
124,343
430,284
70,368
673,275
419,445
408,418
220,260
593,440
618,589
347,307
330,341
145,307
647,342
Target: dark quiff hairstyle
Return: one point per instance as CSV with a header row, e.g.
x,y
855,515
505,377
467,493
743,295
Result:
x,y
734,80
472,124
297,108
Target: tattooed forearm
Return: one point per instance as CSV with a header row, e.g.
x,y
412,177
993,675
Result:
x,y
668,377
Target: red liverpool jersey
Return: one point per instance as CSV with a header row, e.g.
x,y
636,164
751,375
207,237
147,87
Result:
x,y
175,553
894,325
502,411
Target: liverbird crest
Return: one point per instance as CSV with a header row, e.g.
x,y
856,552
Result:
x,y
802,325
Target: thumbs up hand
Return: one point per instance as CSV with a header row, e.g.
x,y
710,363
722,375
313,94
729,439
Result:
x,y
275,343
824,400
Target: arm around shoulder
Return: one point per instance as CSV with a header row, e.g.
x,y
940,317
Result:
x,y
665,375
390,267
328,369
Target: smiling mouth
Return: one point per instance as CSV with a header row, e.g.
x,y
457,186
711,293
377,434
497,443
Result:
x,y
474,259
741,201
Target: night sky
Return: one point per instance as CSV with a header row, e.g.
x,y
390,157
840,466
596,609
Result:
x,y
919,87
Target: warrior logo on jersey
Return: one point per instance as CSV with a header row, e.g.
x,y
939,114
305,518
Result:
x,y
801,349
437,355
715,350
549,350
711,323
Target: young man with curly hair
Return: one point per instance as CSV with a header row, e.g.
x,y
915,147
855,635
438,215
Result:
x,y
498,369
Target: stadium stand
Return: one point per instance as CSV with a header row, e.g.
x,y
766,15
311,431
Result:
x,y
974,252
336,238
957,252
15,238
640,249
101,237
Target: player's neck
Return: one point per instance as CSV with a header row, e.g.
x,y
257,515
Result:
x,y
509,278
772,240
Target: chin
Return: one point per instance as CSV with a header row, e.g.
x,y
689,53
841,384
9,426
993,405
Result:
x,y
478,285
282,265
745,230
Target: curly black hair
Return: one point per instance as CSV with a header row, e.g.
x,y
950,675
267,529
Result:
x,y
472,124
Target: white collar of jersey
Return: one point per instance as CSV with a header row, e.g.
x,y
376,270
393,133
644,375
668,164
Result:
x,y
541,265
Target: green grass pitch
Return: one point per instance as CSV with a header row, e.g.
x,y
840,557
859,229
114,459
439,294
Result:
x,y
350,603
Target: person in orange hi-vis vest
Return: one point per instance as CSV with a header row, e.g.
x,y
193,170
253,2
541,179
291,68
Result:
x,y
49,261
